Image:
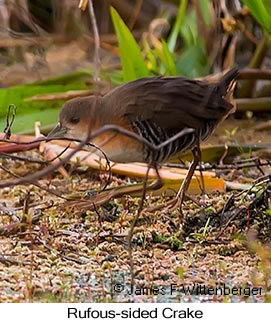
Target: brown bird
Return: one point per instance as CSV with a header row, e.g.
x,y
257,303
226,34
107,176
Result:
x,y
154,108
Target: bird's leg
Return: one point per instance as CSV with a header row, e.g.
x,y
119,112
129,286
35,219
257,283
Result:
x,y
197,157
158,183
185,184
203,191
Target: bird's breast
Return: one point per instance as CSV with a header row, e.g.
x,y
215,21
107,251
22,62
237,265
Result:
x,y
119,148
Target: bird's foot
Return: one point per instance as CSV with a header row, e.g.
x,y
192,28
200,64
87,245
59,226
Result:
x,y
177,202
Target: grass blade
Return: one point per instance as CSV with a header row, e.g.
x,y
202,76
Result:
x,y
133,64
177,25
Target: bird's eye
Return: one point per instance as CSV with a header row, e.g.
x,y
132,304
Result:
x,y
74,120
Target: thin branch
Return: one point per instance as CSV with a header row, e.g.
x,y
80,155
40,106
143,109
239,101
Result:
x,y
33,177
34,183
9,124
97,61
237,166
254,74
135,14
32,160
25,159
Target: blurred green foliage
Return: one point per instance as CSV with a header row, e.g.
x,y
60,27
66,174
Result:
x,y
194,61
183,51
45,111
172,39
261,10
160,57
137,60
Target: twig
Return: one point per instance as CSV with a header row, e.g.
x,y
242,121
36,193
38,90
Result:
x,y
227,205
7,129
26,204
10,211
236,166
59,96
254,74
58,252
135,14
108,164
33,183
254,104
230,220
97,61
247,87
25,159
266,180
7,260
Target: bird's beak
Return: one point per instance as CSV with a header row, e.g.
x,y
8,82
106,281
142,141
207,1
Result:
x,y
58,131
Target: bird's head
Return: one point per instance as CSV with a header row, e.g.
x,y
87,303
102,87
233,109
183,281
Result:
x,y
76,118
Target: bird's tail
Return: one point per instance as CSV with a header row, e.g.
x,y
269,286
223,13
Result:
x,y
227,83
229,76
226,87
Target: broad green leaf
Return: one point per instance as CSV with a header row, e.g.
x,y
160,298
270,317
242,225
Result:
x,y
261,10
132,61
177,25
24,124
46,112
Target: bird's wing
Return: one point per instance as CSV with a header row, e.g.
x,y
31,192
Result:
x,y
170,102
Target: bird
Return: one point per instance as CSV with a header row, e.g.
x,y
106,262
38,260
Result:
x,y
154,109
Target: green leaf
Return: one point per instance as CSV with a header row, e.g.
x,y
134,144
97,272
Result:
x,y
194,61
204,5
132,61
24,124
261,10
150,54
115,77
189,30
168,60
46,112
67,79
177,25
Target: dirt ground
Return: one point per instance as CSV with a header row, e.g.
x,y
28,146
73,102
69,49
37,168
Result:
x,y
50,252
